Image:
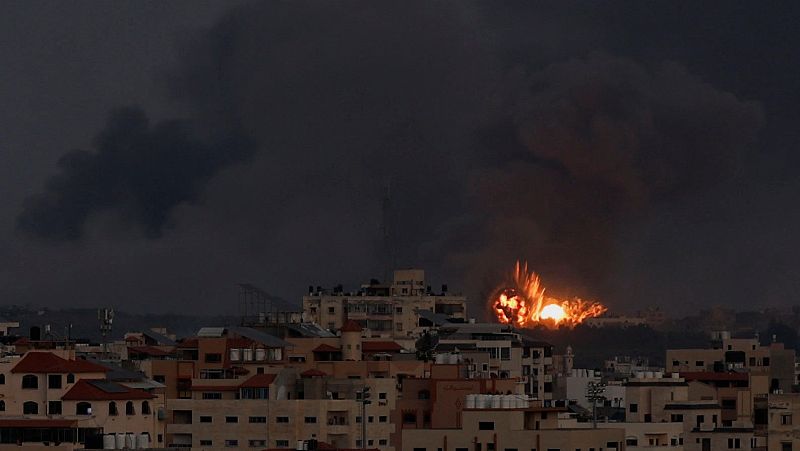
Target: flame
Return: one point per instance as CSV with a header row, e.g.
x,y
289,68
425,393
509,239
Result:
x,y
524,304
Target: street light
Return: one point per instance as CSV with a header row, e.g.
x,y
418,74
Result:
x,y
365,395
594,392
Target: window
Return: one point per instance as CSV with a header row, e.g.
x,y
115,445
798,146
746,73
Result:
x,y
129,410
281,419
213,358
409,418
231,419
734,443
699,363
54,407
54,381
83,408
383,419
486,425
633,408
381,395
212,395
358,419
786,446
310,419
331,309
765,361
282,443
676,418
2,406
398,309
257,419
70,378
786,419
30,381
30,408
254,393
145,408
231,443
2,379
257,443
206,443
370,419
424,394
632,442
112,409
205,419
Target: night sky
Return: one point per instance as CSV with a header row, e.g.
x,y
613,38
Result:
x,y
153,154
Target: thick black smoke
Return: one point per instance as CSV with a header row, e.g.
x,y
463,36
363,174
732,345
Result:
x,y
497,142
137,171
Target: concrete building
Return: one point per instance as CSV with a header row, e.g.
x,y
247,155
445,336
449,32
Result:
x,y
385,310
50,396
783,422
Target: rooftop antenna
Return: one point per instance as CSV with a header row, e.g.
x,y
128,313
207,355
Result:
x,y
106,318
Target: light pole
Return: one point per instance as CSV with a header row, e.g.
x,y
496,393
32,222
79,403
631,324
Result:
x,y
594,392
364,401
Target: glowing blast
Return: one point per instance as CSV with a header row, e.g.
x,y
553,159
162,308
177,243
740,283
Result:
x,y
525,305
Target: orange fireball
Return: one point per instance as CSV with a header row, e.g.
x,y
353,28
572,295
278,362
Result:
x,y
525,305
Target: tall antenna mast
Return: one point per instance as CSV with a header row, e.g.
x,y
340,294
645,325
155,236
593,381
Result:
x,y
106,318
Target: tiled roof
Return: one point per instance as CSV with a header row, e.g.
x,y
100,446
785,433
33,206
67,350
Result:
x,y
351,326
380,346
258,381
324,347
313,373
100,390
47,362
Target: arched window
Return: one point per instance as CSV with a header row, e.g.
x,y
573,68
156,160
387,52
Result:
x,y
30,381
424,394
70,378
129,408
145,408
30,408
2,406
2,379
112,409
83,408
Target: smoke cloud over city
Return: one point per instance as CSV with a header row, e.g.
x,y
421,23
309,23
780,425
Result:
x,y
487,136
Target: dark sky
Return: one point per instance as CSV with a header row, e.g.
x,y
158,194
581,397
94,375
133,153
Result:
x,y
154,154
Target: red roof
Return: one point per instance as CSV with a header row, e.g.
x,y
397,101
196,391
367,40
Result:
x,y
188,343
258,381
380,346
37,423
215,387
47,362
101,390
325,348
351,326
312,373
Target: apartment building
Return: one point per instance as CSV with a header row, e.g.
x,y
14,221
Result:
x,y
497,350
739,354
783,422
530,427
53,397
385,310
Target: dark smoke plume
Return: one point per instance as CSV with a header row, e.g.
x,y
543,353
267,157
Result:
x,y
499,137
137,171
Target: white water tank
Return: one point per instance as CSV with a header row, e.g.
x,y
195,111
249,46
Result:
x,y
130,440
470,404
505,402
143,441
299,446
497,402
109,442
454,358
659,374
676,375
120,439
247,354
440,358
235,354
261,354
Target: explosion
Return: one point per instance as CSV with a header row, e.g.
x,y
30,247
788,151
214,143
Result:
x,y
524,304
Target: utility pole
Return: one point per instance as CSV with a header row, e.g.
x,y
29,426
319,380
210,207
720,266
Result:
x,y
594,392
364,401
